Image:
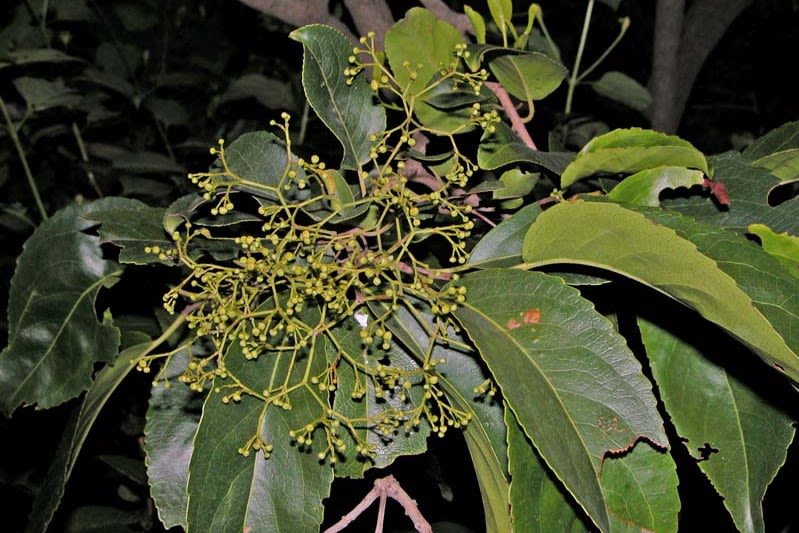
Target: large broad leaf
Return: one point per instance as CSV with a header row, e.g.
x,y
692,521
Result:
x,y
282,492
460,376
538,503
530,76
503,147
644,187
748,188
54,335
574,386
132,225
727,279
347,110
417,47
714,410
173,415
780,245
407,441
785,137
631,150
78,427
784,165
502,246
260,157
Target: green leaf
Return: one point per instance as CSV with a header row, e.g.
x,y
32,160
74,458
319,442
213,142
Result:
x,y
503,147
146,162
631,150
78,427
133,226
30,56
624,89
54,335
530,76
533,331
502,246
538,504
347,110
516,184
710,407
410,442
42,94
502,13
460,374
478,23
784,164
231,492
423,41
748,188
644,187
780,245
271,93
727,279
181,211
169,431
783,138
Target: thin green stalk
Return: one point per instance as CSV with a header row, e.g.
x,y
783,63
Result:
x,y
26,168
625,23
43,22
580,49
85,157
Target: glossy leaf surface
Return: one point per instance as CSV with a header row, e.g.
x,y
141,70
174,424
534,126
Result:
x,y
712,409
565,373
729,280
632,150
347,110
55,337
644,187
530,76
502,246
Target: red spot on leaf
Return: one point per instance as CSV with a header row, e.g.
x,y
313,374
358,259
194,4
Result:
x,y
513,324
532,316
719,190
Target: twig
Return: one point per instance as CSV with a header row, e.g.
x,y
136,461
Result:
x,y
444,12
515,120
387,487
12,131
85,157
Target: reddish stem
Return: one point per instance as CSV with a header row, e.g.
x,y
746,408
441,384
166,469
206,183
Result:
x,y
515,120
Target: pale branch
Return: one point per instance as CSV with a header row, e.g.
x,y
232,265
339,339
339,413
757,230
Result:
x,y
513,115
371,15
387,487
444,12
300,13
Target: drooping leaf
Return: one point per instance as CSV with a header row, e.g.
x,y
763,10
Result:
x,y
516,184
181,211
711,409
133,226
460,376
503,147
456,114
231,492
784,164
502,246
502,13
173,415
80,423
631,150
780,245
347,110
530,76
538,504
532,331
420,43
644,187
641,491
407,441
785,137
748,188
727,279
54,335
622,88
42,94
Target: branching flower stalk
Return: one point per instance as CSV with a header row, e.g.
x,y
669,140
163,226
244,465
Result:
x,y
304,298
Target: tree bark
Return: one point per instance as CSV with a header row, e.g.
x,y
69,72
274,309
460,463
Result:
x,y
703,26
299,13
